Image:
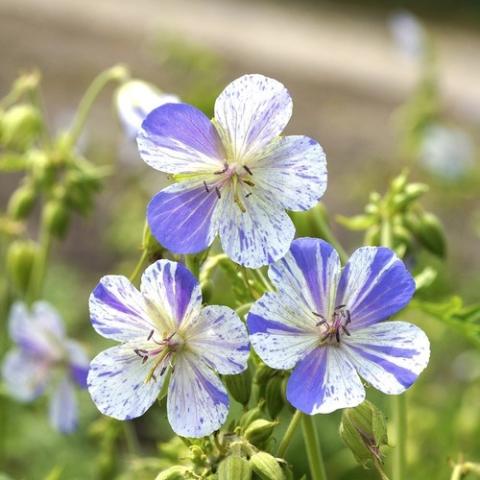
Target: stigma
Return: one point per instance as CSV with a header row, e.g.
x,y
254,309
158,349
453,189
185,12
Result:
x,y
336,326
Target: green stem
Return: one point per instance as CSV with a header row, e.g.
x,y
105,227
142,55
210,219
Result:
x,y
38,273
379,468
314,452
117,73
326,233
139,266
292,426
131,438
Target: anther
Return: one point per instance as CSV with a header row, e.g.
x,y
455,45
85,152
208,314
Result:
x,y
219,172
248,182
248,170
206,186
150,335
217,190
344,328
248,194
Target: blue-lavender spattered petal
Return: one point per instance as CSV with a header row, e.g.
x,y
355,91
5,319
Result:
x,y
389,355
179,138
293,170
182,217
79,363
250,113
117,382
118,310
374,285
197,402
257,236
220,338
324,381
63,407
174,292
310,270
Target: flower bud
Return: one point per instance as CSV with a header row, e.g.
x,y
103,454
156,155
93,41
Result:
x,y
41,167
259,431
240,386
274,396
251,415
428,231
20,260
177,472
21,202
56,217
364,431
21,126
234,468
266,466
263,374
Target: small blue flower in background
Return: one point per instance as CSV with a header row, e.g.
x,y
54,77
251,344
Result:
x,y
45,358
409,34
134,100
326,324
164,330
236,175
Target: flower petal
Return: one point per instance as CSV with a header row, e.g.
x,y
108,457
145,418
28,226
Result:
x,y
324,381
281,330
374,285
118,310
79,363
182,217
220,338
179,138
258,236
25,376
197,402
310,270
63,408
389,355
174,292
293,171
116,382
250,113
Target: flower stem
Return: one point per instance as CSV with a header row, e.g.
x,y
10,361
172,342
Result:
x,y
326,233
314,452
117,73
282,448
138,267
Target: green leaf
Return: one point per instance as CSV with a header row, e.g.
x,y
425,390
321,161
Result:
x,y
12,162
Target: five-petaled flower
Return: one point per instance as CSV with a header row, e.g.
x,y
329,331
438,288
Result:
x,y
165,331
236,174
327,324
45,357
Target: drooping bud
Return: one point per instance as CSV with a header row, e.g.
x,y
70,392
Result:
x,y
21,202
240,386
177,472
364,431
21,257
41,167
56,217
259,431
251,415
266,466
234,468
274,396
428,231
21,126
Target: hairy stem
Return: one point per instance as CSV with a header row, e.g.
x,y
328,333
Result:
x,y
284,444
314,452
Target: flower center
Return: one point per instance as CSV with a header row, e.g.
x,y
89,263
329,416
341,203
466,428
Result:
x,y
161,354
238,175
333,329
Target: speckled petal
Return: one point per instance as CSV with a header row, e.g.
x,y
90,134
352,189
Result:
x,y
258,236
250,113
182,217
197,402
116,382
63,407
389,355
324,381
179,138
293,171
174,292
79,363
118,310
220,338
374,285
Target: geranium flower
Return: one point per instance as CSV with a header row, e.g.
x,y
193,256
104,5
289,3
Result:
x,y
164,330
236,174
134,100
44,357
327,324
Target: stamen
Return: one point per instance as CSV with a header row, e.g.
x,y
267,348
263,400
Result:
x,y
217,190
248,182
248,194
344,328
150,335
206,186
248,170
219,172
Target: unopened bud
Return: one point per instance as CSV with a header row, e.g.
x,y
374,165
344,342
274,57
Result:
x,y
399,182
21,126
21,202
251,415
274,396
56,217
428,231
21,257
259,431
263,374
40,165
176,472
240,386
266,466
234,468
364,431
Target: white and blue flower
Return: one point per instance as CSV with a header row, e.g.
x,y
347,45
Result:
x,y
327,325
165,333
236,174
44,357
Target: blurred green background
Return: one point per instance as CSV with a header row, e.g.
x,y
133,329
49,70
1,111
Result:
x,y
348,79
